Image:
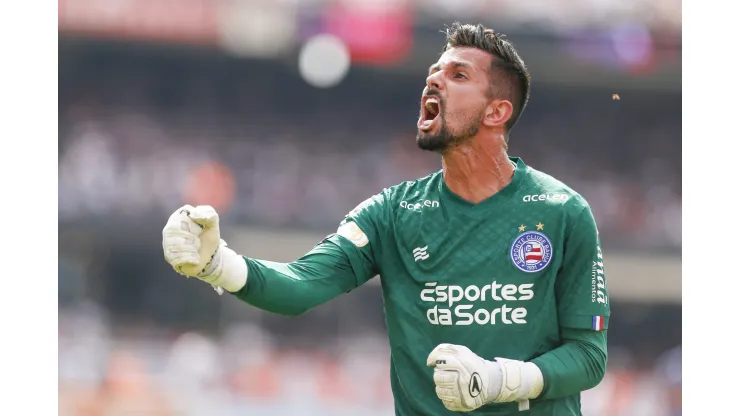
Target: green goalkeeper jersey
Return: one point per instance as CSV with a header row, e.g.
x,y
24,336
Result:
x,y
500,277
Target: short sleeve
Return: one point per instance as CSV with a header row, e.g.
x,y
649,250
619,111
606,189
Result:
x,y
582,293
360,234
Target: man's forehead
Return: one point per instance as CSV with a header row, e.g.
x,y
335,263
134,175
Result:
x,y
466,56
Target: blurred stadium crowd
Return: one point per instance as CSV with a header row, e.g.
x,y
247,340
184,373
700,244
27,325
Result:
x,y
153,116
138,135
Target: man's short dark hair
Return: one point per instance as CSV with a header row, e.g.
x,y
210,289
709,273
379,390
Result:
x,y
509,77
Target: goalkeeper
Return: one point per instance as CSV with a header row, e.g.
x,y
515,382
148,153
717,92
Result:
x,y
492,274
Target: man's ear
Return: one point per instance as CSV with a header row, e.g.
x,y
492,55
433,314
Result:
x,y
498,113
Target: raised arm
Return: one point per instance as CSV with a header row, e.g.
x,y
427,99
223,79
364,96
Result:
x,y
341,262
293,288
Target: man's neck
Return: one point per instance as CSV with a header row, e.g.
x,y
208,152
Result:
x,y
476,171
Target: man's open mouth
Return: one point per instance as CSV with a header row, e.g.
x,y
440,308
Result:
x,y
429,112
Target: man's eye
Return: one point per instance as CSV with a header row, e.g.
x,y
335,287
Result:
x,y
459,75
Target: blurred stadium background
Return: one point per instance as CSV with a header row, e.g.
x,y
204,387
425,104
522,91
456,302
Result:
x,y
284,114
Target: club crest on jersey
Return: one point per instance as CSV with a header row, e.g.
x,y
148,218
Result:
x,y
531,251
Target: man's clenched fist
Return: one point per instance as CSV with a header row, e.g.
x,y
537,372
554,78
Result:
x,y
464,381
462,378
192,245
190,239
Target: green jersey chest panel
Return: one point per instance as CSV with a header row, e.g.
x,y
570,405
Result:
x,y
452,271
500,261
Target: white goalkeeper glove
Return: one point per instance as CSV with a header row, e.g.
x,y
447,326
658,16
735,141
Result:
x,y
464,381
192,245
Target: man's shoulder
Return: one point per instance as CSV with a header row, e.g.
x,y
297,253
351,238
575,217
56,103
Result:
x,y
400,194
415,188
545,189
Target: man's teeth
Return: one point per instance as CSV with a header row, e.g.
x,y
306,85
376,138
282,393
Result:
x,y
429,102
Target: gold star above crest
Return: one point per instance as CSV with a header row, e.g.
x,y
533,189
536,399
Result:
x,y
522,228
540,226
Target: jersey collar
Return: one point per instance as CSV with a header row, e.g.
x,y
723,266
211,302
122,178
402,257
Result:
x,y
520,172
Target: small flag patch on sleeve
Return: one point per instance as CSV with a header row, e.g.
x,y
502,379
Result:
x,y
597,323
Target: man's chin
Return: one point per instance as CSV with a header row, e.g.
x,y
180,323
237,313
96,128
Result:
x,y
432,142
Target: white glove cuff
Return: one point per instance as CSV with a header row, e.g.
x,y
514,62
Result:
x,y
513,380
227,270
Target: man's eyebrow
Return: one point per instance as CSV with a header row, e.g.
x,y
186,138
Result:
x,y
454,64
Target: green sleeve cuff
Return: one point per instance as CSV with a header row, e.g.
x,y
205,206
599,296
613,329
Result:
x,y
577,365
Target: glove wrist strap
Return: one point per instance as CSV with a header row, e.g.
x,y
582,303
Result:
x,y
496,377
514,381
227,270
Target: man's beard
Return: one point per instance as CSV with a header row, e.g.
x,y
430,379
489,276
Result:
x,y
444,140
